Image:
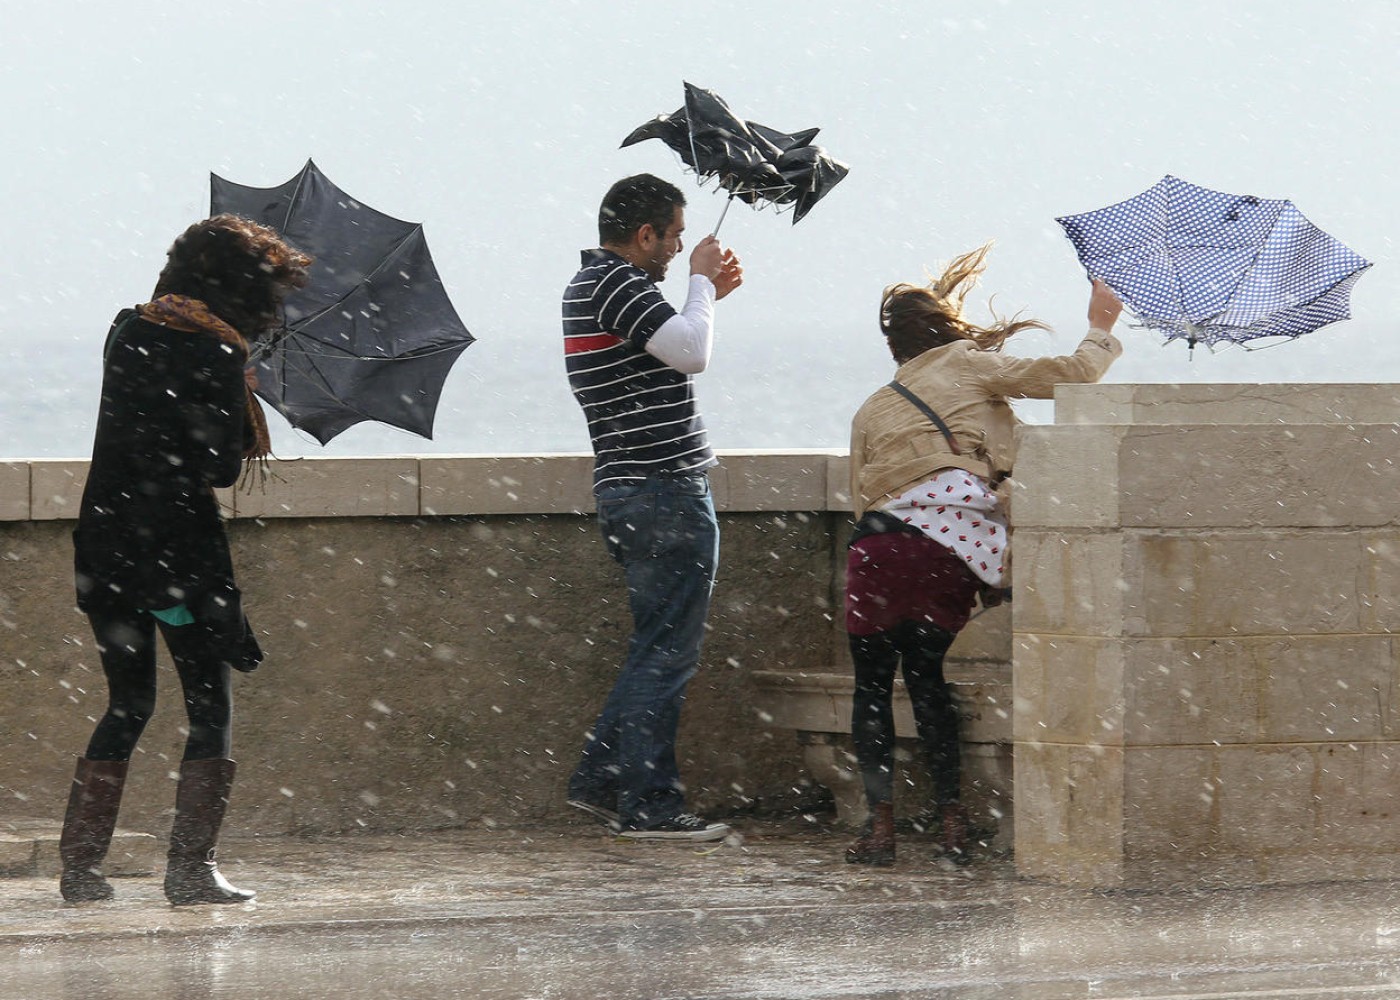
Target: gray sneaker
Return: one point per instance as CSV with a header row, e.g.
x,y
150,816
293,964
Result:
x,y
686,826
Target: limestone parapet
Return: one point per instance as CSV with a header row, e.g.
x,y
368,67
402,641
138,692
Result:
x,y
1205,672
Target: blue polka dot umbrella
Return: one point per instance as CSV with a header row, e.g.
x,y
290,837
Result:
x,y
1209,267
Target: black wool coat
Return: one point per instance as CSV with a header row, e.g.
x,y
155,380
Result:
x,y
171,427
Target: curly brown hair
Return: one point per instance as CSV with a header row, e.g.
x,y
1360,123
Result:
x,y
918,318
240,269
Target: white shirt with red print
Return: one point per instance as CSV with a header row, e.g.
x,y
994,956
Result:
x,y
959,511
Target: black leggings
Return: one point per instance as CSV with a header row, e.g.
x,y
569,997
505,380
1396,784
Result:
x,y
921,647
126,642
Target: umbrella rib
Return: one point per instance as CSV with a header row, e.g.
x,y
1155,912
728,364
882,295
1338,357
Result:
x,y
320,383
352,356
417,228
296,193
1322,294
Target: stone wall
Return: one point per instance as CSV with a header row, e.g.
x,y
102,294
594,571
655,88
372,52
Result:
x,y
1207,590
439,634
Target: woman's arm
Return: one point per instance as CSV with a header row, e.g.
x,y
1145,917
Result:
x,y
1036,378
213,408
857,462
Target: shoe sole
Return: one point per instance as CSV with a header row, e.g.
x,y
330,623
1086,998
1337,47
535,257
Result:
x,y
694,836
605,816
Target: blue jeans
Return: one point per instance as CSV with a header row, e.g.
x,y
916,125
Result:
x,y
664,533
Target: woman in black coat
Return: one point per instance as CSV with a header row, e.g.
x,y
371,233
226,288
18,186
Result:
x,y
177,419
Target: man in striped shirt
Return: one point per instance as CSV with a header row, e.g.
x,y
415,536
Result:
x,y
629,356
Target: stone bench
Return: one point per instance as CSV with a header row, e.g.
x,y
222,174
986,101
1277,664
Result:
x,y
817,706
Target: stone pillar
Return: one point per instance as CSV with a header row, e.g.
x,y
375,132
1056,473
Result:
x,y
1207,579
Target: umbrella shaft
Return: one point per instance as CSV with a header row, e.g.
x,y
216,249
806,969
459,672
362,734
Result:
x,y
727,203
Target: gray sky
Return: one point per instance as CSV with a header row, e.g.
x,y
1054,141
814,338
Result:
x,y
497,126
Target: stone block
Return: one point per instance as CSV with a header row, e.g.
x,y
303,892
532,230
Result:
x,y
1182,692
1193,815
1095,403
766,480
1281,808
14,491
1358,797
987,638
507,484
1277,690
1068,689
1268,799
56,488
838,482
1069,813
1201,477
17,855
1253,583
1068,582
1066,477
830,762
1246,403
1380,601
334,487
1171,803
806,702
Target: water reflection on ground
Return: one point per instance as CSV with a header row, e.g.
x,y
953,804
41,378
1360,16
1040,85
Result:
x,y
567,913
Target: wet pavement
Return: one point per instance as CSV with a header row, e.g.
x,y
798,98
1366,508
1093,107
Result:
x,y
567,912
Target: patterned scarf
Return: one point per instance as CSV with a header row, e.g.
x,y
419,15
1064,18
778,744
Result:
x,y
180,312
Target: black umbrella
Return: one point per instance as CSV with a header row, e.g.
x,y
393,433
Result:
x,y
754,163
373,334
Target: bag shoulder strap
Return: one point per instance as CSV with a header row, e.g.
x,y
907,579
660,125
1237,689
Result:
x,y
927,411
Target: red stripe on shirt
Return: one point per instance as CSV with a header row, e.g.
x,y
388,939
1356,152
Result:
x,y
597,342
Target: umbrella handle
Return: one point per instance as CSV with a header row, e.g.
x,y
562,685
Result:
x,y
727,201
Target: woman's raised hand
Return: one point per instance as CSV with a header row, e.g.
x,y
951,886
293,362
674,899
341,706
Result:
x,y
1104,307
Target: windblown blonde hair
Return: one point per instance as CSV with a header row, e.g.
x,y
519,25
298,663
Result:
x,y
917,318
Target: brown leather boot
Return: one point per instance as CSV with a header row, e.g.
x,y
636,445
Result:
x,y
877,846
87,828
955,831
191,872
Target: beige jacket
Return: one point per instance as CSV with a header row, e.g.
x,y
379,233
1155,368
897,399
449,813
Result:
x,y
894,446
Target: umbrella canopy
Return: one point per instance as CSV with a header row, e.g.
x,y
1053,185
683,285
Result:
x,y
754,163
373,334
1208,267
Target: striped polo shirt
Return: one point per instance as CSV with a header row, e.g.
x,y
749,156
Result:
x,y
641,412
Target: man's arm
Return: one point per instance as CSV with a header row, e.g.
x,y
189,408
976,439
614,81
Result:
x,y
685,340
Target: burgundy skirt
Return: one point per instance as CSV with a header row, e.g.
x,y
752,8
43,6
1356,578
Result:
x,y
899,577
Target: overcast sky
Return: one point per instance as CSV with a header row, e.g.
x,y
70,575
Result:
x,y
497,125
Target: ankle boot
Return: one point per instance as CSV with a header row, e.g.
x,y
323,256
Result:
x,y
955,831
191,871
877,846
87,828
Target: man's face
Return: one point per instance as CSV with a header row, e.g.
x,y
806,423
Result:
x,y
662,248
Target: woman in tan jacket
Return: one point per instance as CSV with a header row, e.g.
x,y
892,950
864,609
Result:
x,y
929,452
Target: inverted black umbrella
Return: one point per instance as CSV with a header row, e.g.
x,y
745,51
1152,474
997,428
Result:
x,y
754,163
1209,267
373,334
